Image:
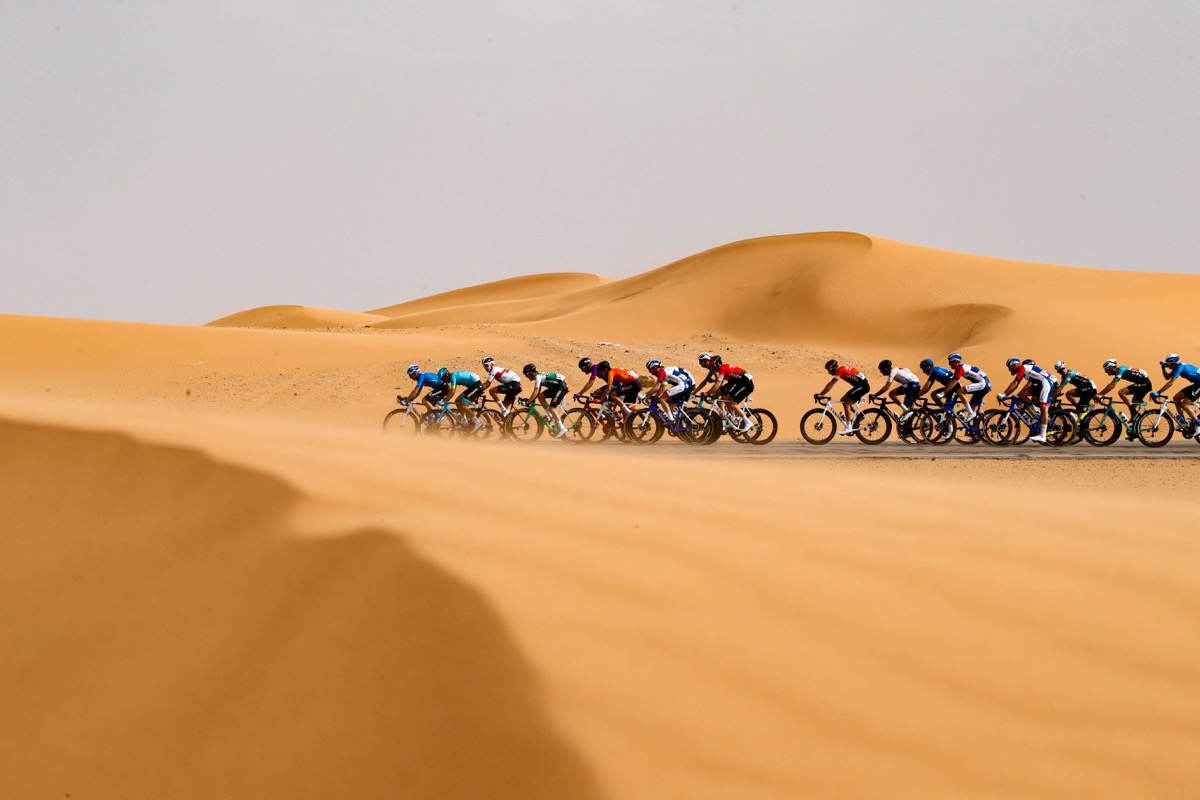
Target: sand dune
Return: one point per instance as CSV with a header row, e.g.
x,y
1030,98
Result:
x,y
220,579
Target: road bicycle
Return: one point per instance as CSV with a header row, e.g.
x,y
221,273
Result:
x,y
887,419
404,418
1152,427
819,425
941,425
530,420
763,425
1014,425
602,417
647,425
445,420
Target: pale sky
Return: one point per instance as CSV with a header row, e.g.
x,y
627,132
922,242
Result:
x,y
180,161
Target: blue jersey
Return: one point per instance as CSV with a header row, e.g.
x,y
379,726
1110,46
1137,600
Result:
x,y
462,378
941,375
429,380
1188,372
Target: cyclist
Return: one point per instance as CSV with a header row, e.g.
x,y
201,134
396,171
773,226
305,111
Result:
x,y
425,380
593,372
977,384
1082,389
619,384
464,388
735,386
859,387
1039,384
908,385
549,388
935,374
675,384
1139,384
508,383
1173,368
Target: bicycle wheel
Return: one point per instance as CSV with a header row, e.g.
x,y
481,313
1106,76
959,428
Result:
x,y
873,426
904,429
998,427
1101,427
938,428
437,423
818,426
1153,429
1060,429
493,424
580,425
397,422
704,425
524,426
765,427
967,432
643,427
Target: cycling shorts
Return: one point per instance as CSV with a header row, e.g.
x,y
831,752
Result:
x,y
1041,390
1138,391
510,390
679,392
858,391
472,391
1192,392
628,392
979,387
436,395
553,393
910,391
738,388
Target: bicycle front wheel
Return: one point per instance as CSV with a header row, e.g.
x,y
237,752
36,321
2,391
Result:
x,y
1101,427
1060,430
436,424
523,426
580,425
873,426
643,427
1153,429
937,427
765,427
998,428
397,422
818,426
704,426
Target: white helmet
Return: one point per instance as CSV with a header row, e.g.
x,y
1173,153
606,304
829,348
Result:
x,y
1110,363
489,362
1060,366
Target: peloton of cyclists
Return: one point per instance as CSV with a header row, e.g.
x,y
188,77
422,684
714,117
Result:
x,y
1139,384
1082,389
430,381
508,384
976,385
859,387
1185,398
732,385
1039,384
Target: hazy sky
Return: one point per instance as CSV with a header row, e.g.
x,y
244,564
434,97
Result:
x,y
180,161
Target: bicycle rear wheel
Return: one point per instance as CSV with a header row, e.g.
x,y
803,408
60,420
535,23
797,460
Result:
x,y
1101,427
765,427
437,424
493,423
818,426
580,425
968,432
704,425
1153,429
998,428
1060,430
523,426
873,426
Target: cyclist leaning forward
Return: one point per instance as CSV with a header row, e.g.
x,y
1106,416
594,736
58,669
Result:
x,y
859,387
1082,389
464,388
1139,384
976,385
908,385
425,380
619,384
735,386
549,388
1184,399
1039,388
675,384
508,383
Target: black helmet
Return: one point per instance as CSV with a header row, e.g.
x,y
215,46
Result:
x,y
603,367
529,369
885,366
1028,362
714,362
831,366
585,364
926,365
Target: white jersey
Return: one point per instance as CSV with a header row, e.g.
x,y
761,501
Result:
x,y
902,376
503,375
677,376
973,374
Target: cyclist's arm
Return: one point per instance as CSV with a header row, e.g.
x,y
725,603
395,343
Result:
x,y
883,390
825,392
453,392
588,385
708,378
928,385
412,395
1166,386
1012,387
1108,388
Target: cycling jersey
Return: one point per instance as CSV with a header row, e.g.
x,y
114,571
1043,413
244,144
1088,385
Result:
x,y
850,374
461,378
941,375
503,375
1131,374
969,374
903,376
620,376
430,381
1188,372
674,376
548,380
1078,380
1033,372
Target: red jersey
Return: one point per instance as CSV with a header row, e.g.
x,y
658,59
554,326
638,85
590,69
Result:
x,y
849,374
727,371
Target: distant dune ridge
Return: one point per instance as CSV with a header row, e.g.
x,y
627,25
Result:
x,y
220,579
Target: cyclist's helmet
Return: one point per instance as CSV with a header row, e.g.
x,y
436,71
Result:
x,y
954,357
603,367
1110,364
885,366
714,362
530,370
1012,364
1171,360
831,366
926,365
443,373
1060,367
1028,362
653,365
414,370
585,364
704,358
489,362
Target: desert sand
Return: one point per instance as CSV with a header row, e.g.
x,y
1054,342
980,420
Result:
x,y
222,579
